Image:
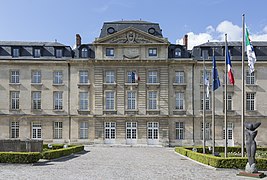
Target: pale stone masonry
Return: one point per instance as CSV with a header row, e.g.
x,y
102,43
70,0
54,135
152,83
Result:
x,y
130,86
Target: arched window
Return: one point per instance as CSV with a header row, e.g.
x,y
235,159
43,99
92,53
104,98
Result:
x,y
84,53
177,52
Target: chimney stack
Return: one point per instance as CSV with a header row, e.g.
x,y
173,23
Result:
x,y
186,41
78,40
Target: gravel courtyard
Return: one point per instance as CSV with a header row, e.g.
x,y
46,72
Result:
x,y
117,163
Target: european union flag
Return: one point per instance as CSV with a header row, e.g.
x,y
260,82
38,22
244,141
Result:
x,y
216,81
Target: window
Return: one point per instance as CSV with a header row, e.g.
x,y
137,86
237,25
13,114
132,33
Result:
x,y
250,78
177,52
110,130
58,130
36,130
152,77
179,100
110,100
207,103
14,77
58,77
152,52
36,100
250,102
208,73
152,130
207,131
131,130
110,76
84,53
59,53
229,101
84,77
230,127
15,52
37,53
131,99
14,129
110,52
152,100
179,127
58,101
84,101
132,77
179,77
14,100
36,77
84,130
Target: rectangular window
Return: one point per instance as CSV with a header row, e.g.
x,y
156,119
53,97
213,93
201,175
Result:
x,y
36,130
179,130
179,100
37,53
59,53
110,52
207,103
110,100
15,129
250,78
207,131
110,130
58,100
131,99
84,130
230,127
15,52
14,77
208,74
152,100
132,77
179,77
131,130
84,77
14,100
36,100
58,130
58,77
36,77
250,101
110,76
229,101
152,77
84,101
152,52
153,130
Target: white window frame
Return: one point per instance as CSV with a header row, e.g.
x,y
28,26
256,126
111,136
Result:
x,y
250,101
152,130
110,52
208,102
208,131
14,100
58,130
83,131
84,53
59,53
58,77
152,101
131,100
110,97
37,52
180,130
36,130
58,100
14,129
229,101
110,76
152,52
110,130
179,100
131,130
83,77
36,100
36,77
14,76
250,78
179,77
152,77
230,129
83,101
15,52
177,52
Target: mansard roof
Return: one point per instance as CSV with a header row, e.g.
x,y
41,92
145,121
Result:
x,y
28,43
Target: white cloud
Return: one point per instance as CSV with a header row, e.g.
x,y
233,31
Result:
x,y
234,33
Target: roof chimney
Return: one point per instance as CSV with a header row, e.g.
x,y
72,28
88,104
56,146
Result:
x,y
186,41
78,40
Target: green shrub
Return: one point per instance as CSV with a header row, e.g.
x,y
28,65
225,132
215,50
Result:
x,y
56,153
19,157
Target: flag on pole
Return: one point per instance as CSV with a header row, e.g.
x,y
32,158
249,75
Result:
x,y
250,53
215,76
229,66
135,77
206,81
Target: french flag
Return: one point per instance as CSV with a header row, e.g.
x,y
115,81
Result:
x,y
229,66
135,77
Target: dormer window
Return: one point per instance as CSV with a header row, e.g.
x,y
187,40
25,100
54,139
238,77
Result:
x,y
109,51
15,52
177,52
58,53
84,53
37,53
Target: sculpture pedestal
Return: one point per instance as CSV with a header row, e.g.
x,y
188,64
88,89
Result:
x,y
256,175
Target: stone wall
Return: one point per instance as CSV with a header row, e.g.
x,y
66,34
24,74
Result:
x,y
21,146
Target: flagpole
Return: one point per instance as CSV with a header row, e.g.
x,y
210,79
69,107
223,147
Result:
x,y
204,104
213,112
225,99
243,87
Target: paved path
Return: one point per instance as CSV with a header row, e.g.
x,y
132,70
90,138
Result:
x,y
117,163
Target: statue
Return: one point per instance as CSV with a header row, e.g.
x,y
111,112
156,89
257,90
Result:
x,y
251,146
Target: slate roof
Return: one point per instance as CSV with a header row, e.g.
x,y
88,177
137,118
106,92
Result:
x,y
26,43
231,43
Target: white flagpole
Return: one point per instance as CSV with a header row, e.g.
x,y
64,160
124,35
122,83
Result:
x,y
213,111
204,104
225,99
243,87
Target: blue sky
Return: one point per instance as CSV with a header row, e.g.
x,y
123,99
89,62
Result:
x,y
203,20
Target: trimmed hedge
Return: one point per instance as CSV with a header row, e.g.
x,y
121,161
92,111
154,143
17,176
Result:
x,y
220,162
20,157
56,153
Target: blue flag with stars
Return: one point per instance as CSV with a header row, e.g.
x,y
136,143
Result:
x,y
215,76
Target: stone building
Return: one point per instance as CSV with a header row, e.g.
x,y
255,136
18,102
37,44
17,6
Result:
x,y
129,86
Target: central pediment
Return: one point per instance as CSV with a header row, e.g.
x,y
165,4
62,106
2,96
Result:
x,y
131,36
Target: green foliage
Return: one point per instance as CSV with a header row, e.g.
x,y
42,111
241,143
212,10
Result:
x,y
56,153
20,157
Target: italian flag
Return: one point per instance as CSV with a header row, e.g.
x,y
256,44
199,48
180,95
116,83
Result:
x,y
250,53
